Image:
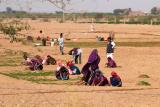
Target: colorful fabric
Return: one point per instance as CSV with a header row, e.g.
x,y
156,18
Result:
x,y
35,65
115,79
50,60
62,73
111,63
75,70
90,67
94,60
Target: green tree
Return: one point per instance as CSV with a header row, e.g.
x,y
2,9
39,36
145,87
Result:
x,y
12,28
154,11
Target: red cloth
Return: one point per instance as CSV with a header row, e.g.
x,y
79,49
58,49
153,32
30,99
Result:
x,y
70,63
114,74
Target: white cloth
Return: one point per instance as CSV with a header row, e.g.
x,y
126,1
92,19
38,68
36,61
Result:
x,y
52,43
44,61
113,44
61,42
59,67
110,55
79,51
92,28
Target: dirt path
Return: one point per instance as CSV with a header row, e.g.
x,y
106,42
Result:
x,y
15,93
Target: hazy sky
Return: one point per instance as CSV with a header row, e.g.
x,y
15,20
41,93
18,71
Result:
x,y
82,5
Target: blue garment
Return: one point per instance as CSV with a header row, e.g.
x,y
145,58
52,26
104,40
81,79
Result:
x,y
77,69
115,82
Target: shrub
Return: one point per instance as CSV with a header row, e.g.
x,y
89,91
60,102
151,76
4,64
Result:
x,y
33,18
30,38
143,76
144,83
46,20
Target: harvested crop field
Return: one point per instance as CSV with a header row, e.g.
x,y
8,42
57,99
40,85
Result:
x,y
137,54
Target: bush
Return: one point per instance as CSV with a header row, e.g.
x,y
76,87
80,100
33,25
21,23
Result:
x,y
144,83
46,20
143,76
33,18
30,38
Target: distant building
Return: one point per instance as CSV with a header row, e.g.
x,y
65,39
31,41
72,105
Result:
x,y
122,11
136,13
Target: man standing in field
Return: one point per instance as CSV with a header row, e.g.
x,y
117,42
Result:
x,y
61,43
110,48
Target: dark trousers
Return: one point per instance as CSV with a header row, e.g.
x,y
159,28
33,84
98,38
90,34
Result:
x,y
76,58
80,58
61,49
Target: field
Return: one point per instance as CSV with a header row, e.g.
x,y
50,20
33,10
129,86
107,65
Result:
x,y
137,54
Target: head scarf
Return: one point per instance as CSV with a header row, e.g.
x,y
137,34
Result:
x,y
93,56
70,63
59,63
114,74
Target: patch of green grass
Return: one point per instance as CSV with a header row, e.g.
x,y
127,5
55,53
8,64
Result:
x,y
28,75
10,60
139,44
103,44
7,64
41,77
85,44
11,57
143,83
32,73
143,76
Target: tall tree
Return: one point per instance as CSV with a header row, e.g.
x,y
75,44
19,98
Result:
x,y
155,11
61,4
8,9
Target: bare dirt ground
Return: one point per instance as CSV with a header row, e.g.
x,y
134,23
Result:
x,y
132,62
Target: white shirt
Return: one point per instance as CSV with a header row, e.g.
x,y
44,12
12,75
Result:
x,y
113,44
79,51
61,41
92,28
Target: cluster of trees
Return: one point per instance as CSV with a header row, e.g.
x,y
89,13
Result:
x,y
155,11
117,16
122,11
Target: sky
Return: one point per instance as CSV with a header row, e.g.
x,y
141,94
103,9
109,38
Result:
x,y
81,5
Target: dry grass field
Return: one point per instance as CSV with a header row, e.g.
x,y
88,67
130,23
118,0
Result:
x,y
137,54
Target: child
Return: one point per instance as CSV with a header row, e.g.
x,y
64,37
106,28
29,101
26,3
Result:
x,y
115,80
